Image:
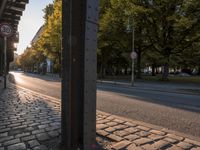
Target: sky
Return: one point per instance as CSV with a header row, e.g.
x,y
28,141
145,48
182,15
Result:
x,y
31,21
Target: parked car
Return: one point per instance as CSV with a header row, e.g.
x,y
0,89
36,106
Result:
x,y
183,74
36,71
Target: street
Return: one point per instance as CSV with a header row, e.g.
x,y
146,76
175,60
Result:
x,y
172,110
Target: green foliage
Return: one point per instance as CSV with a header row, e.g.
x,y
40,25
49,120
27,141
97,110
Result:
x,y
49,43
50,40
48,11
30,59
166,32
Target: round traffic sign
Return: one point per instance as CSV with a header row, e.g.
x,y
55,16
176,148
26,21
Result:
x,y
133,55
6,30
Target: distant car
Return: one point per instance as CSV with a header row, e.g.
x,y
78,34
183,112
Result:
x,y
182,74
195,72
36,72
19,69
147,73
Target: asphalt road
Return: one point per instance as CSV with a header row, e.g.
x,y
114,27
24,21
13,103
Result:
x,y
158,106
45,85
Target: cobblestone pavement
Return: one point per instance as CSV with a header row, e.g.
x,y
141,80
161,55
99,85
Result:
x,y
29,121
124,134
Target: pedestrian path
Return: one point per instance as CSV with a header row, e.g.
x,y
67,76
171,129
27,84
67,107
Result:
x,y
30,121
125,134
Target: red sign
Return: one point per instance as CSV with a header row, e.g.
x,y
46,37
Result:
x,y
133,55
6,29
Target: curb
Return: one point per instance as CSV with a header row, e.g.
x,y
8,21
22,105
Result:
x,y
150,89
153,126
49,98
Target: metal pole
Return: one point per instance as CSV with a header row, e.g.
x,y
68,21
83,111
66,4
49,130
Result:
x,y
5,60
132,73
78,113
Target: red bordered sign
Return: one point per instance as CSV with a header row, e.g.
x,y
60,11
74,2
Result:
x,y
133,55
6,30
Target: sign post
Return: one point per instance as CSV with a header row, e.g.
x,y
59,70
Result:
x,y
133,57
133,54
5,60
6,31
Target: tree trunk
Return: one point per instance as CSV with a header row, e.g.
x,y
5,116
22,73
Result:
x,y
165,71
198,71
174,70
157,71
103,71
153,70
125,71
138,75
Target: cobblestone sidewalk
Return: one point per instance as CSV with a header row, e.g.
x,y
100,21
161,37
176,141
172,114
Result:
x,y
124,134
29,121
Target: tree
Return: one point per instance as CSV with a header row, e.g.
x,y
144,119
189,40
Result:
x,y
51,39
114,41
164,29
114,44
49,42
48,11
30,59
175,31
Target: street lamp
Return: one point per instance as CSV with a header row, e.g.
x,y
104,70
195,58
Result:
x,y
133,53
